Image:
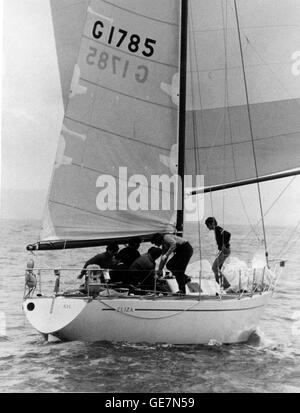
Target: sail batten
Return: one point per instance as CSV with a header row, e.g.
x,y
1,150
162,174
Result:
x,y
119,136
119,181
140,14
85,211
126,95
155,8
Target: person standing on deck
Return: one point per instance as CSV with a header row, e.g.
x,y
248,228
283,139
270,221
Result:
x,y
222,239
182,250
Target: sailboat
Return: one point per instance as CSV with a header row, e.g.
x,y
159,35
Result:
x,y
190,87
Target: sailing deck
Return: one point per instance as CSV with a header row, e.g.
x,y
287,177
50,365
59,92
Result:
x,y
152,297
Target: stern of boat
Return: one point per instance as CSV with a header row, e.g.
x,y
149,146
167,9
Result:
x,y
48,315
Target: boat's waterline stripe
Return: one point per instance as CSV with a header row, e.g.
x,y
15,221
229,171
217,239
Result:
x,y
186,310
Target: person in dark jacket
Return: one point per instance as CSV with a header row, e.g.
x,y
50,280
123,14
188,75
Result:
x,y
105,260
124,259
130,253
142,270
182,250
223,243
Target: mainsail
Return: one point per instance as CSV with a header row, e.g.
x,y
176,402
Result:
x,y
68,18
218,126
121,123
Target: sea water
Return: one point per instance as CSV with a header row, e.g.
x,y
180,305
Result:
x,y
268,362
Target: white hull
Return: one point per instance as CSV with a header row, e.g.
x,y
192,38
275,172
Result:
x,y
163,320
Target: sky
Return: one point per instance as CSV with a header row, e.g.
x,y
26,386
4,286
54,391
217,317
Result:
x,y
32,113
32,108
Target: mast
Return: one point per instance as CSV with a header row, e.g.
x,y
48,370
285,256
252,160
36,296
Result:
x,y
182,114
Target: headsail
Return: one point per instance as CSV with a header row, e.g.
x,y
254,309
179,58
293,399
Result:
x,y
217,119
122,113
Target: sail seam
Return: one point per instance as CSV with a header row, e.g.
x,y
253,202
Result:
x,y
218,69
116,134
84,210
249,27
130,54
118,178
210,108
243,142
139,14
129,96
90,212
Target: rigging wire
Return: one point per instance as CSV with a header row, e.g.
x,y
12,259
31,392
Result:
x,y
226,105
288,92
286,245
284,88
251,130
195,134
226,97
203,122
222,121
272,205
249,43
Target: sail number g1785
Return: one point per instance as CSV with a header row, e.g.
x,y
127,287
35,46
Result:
x,y
119,37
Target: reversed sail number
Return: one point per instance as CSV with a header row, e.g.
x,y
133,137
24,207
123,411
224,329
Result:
x,y
116,64
119,37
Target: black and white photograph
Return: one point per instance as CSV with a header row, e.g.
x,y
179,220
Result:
x,y
150,199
